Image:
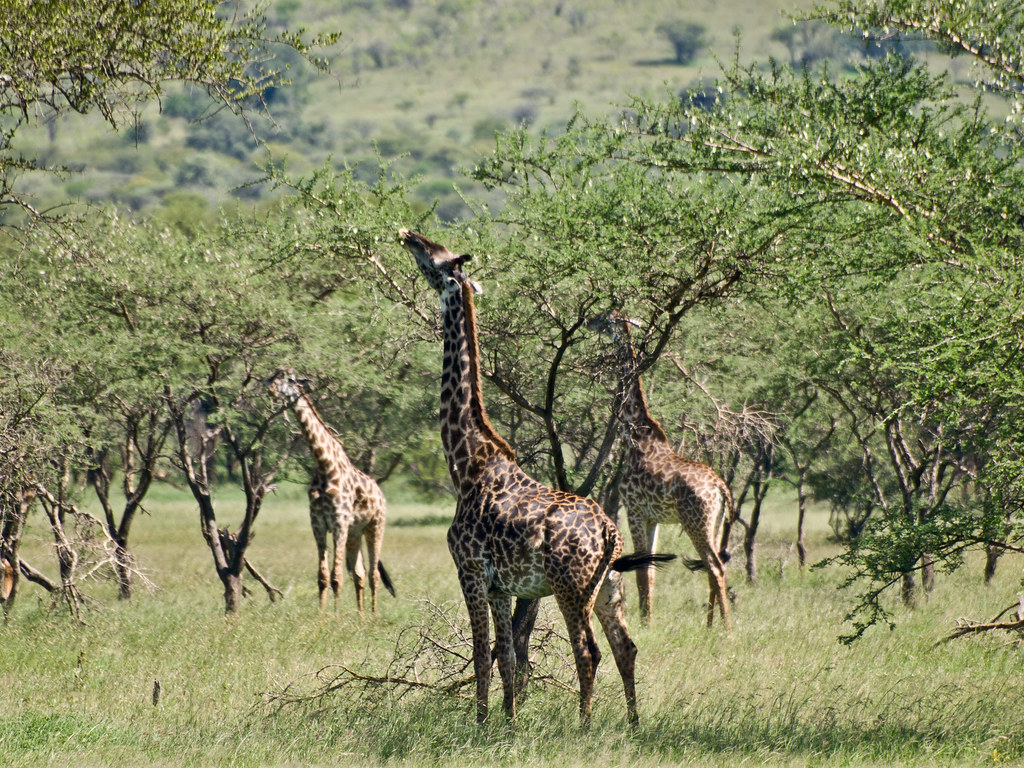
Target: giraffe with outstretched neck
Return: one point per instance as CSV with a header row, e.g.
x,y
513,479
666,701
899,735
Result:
x,y
512,536
659,486
343,502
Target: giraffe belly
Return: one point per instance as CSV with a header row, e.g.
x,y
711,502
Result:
x,y
519,575
654,509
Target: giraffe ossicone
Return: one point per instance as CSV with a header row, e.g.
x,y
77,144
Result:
x,y
344,502
512,536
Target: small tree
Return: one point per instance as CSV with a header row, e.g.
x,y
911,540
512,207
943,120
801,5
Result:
x,y
687,38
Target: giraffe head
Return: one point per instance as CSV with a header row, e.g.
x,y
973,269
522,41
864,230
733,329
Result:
x,y
441,267
285,385
612,322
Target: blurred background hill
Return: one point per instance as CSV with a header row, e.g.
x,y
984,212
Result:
x,y
419,84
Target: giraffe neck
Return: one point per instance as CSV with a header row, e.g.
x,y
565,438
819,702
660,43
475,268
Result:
x,y
327,449
467,436
636,417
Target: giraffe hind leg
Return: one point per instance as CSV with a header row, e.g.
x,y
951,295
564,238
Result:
x,y
610,613
645,538
354,565
577,609
338,567
716,580
374,536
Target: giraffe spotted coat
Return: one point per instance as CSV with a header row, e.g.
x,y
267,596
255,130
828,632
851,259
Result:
x,y
512,536
659,486
344,503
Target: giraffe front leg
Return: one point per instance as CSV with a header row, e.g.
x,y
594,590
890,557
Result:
x,y
523,620
474,591
645,537
323,572
501,610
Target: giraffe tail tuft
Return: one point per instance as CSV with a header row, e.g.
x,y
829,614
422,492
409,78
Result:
x,y
639,560
694,564
385,579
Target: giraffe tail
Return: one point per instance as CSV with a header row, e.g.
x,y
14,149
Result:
x,y
385,579
639,560
694,564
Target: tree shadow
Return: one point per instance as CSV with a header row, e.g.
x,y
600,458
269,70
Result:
x,y
419,522
666,62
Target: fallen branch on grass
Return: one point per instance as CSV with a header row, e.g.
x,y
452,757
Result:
x,y
434,656
968,627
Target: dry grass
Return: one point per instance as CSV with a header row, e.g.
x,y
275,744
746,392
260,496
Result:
x,y
782,691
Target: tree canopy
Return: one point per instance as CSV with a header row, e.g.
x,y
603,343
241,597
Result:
x,y
110,57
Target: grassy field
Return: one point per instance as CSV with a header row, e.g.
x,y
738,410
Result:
x,y
781,691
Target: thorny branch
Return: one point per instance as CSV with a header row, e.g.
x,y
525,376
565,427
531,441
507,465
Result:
x,y
435,656
967,627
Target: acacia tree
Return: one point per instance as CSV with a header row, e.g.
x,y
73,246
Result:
x,y
31,427
110,57
885,185
226,325
582,233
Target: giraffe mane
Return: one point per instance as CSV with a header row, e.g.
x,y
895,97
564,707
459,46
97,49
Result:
x,y
476,389
653,423
331,432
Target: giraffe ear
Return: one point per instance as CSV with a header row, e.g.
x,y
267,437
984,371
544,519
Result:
x,y
475,286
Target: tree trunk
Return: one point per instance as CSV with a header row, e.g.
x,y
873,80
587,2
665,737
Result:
x,y
12,525
123,566
801,502
992,553
908,590
760,489
928,572
750,542
232,591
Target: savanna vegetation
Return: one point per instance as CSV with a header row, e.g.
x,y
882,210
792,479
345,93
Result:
x,y
820,248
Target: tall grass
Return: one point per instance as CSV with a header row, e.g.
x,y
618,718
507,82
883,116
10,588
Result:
x,y
781,691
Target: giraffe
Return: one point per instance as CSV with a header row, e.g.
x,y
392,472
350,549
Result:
x,y
512,536
342,500
659,486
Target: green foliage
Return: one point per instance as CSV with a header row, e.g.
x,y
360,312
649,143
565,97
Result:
x,y
888,205
583,233
989,31
839,245
54,62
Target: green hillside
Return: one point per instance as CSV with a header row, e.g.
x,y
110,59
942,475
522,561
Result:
x,y
425,84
